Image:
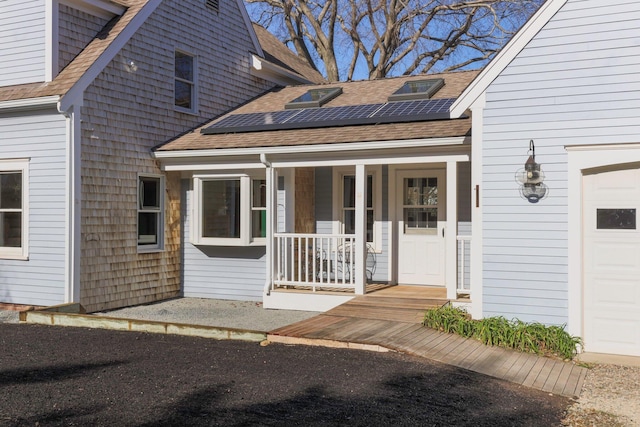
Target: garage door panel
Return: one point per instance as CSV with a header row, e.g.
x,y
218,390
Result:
x,y
611,260
613,256
609,291
615,331
614,186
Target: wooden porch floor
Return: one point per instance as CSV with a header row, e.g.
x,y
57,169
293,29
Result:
x,y
391,318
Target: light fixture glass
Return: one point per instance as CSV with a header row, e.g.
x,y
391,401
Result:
x,y
531,178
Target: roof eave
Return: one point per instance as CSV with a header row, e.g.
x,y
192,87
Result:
x,y
30,103
264,69
311,148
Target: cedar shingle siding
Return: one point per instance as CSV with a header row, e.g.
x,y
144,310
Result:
x,y
127,111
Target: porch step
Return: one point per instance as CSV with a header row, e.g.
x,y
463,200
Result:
x,y
406,310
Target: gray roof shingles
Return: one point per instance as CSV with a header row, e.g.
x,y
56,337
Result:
x,y
354,93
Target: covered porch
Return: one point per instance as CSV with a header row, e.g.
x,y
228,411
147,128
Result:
x,y
351,224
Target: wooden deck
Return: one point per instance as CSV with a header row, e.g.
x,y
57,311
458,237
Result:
x,y
391,319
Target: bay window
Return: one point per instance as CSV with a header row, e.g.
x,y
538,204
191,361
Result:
x,y
229,210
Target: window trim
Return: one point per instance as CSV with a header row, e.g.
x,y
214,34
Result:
x,y
159,246
194,83
338,176
21,253
246,210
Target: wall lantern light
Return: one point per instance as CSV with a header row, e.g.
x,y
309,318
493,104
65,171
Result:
x,y
531,178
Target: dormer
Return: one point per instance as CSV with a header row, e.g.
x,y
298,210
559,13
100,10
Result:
x,y
40,37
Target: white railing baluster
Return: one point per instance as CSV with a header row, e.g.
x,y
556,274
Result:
x,y
464,244
315,260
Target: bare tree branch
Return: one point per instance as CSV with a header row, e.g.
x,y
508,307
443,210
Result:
x,y
379,38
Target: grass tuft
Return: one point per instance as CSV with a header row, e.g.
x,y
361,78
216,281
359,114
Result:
x,y
498,331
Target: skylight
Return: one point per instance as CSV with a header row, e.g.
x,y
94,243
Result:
x,y
417,89
314,98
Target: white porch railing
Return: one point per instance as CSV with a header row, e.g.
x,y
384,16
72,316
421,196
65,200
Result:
x,y
327,261
463,285
315,260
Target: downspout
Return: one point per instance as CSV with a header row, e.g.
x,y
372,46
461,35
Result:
x,y
271,205
72,202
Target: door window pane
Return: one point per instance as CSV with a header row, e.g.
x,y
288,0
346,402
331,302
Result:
x,y
421,191
420,213
424,218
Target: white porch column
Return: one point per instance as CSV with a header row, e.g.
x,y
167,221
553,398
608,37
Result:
x,y
272,224
361,228
451,232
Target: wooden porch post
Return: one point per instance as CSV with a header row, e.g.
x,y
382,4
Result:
x,y
361,229
451,232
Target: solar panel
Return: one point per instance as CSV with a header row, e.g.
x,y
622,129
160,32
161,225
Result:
x,y
425,109
345,113
244,122
306,118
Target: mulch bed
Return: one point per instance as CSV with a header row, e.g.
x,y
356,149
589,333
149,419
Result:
x,y
72,376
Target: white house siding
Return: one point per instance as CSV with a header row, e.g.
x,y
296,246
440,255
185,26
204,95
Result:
x,y
219,272
577,82
22,41
39,136
127,111
75,30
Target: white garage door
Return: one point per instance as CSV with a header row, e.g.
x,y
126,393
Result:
x,y
612,262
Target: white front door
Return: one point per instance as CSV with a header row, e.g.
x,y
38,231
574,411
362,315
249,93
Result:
x,y
612,262
421,218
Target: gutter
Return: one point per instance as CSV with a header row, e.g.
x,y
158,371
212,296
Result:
x,y
274,73
315,148
30,103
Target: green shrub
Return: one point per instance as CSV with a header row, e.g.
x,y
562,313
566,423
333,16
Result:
x,y
498,331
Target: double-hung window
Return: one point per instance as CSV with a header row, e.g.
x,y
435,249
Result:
x,y
348,216
345,204
150,213
14,184
185,82
229,210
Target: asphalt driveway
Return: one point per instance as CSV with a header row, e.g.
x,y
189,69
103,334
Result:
x,y
74,376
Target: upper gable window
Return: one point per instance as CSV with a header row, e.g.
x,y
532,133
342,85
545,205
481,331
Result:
x,y
185,82
417,89
314,98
